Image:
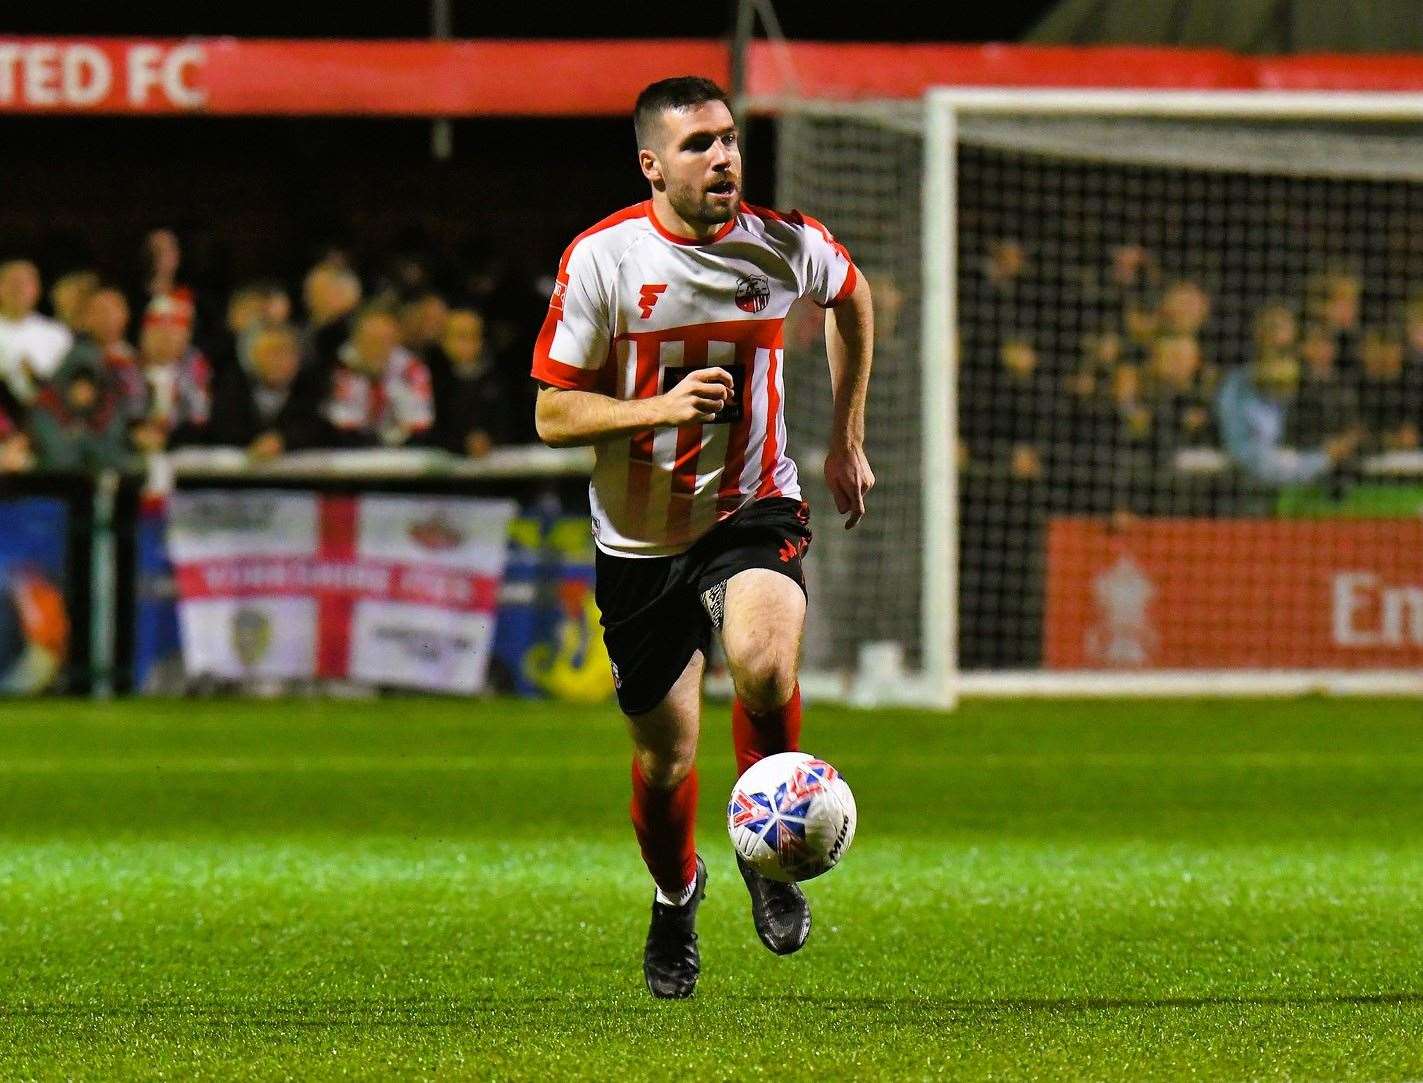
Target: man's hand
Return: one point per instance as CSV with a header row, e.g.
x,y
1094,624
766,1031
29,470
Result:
x,y
478,444
147,436
849,476
1340,447
700,396
267,446
1025,464
15,454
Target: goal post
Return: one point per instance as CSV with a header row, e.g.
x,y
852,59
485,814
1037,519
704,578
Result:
x,y
1085,297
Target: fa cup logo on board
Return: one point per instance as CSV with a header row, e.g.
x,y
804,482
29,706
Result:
x,y
753,293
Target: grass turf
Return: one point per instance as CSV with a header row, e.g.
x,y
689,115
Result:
x,y
433,888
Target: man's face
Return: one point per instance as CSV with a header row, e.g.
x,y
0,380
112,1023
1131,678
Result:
x,y
106,316
1341,305
696,161
1177,360
69,295
1127,262
1319,351
275,359
1184,308
463,338
328,295
164,255
423,321
1383,357
1007,259
276,307
243,312
19,288
375,339
1018,357
164,341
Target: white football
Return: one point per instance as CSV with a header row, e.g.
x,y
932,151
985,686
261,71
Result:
x,y
792,816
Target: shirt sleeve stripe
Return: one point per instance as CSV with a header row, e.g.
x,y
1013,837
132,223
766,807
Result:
x,y
846,288
569,377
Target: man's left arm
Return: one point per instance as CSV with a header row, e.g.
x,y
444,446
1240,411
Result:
x,y
849,345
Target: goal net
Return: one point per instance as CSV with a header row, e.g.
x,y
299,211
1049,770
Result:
x,y
1147,399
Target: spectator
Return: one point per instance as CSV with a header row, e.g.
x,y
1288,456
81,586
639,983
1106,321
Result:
x,y
104,322
1328,403
378,392
161,258
177,378
250,306
1275,330
1179,397
1390,393
68,295
14,445
1253,409
1008,419
1129,284
269,405
331,294
31,346
999,305
1333,302
422,322
77,422
1102,423
1413,332
1184,308
1132,270
1141,323
469,401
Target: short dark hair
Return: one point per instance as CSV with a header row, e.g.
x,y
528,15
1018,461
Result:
x,y
682,92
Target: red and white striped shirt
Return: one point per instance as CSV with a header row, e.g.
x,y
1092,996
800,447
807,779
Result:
x,y
633,301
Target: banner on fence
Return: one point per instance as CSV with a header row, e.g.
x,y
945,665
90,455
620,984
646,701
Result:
x,y
34,616
381,589
1233,594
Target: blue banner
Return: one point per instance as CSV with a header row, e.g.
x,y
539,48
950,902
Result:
x,y
34,616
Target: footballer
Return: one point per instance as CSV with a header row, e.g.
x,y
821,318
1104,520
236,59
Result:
x,y
662,349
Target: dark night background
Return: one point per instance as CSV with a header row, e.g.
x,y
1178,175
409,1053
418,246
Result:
x,y
261,196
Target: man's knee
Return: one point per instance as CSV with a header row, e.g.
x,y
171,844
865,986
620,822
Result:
x,y
766,680
663,769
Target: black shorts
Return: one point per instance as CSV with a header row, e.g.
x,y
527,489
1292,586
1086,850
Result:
x,y
658,611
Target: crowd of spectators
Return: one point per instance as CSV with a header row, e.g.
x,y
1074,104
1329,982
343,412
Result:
x,y
1094,382
117,370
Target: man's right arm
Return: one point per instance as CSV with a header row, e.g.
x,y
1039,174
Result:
x,y
566,417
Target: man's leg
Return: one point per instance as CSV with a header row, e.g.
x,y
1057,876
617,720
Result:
x,y
664,782
664,808
761,633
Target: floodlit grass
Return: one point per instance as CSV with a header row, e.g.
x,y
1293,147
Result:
x,y
442,889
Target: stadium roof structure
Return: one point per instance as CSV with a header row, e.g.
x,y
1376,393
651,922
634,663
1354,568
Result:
x,y
1248,26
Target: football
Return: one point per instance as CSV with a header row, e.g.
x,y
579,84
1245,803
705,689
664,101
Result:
x,y
792,816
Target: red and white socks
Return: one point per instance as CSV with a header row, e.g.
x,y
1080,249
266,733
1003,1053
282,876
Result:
x,y
665,819
664,822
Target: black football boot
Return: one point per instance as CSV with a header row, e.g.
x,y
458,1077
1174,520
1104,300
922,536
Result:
x,y
670,960
780,911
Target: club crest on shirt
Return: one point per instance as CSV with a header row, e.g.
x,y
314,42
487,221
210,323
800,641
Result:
x,y
753,293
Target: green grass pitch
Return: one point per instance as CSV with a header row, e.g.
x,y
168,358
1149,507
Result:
x,y
430,888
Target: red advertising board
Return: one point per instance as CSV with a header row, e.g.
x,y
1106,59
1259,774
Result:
x,y
585,78
104,75
1235,594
